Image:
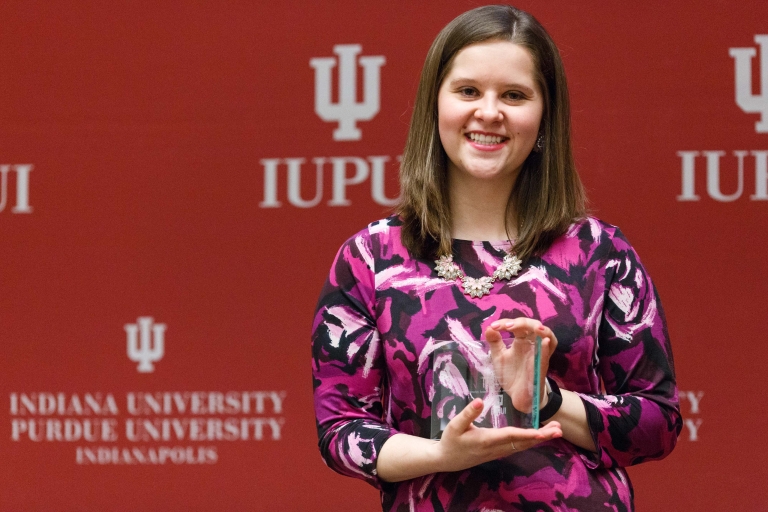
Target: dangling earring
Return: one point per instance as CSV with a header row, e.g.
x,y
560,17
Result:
x,y
539,144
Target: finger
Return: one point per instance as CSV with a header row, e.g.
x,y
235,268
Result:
x,y
503,437
495,343
551,430
548,346
462,421
546,332
523,327
549,435
526,437
507,325
508,440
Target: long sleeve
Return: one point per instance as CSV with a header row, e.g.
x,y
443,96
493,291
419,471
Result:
x,y
348,366
638,418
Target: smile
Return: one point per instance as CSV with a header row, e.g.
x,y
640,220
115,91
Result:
x,y
490,140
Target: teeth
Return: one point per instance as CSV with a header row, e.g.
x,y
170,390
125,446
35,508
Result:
x,y
485,139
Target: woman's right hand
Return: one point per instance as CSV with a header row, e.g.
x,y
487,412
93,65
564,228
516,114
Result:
x,y
464,445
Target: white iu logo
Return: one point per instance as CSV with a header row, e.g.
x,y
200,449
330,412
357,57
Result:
x,y
146,344
22,187
347,111
749,102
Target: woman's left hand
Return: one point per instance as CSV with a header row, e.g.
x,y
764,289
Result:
x,y
513,364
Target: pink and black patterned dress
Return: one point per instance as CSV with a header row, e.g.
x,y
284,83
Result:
x,y
381,310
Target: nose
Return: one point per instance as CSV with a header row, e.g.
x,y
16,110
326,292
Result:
x,y
488,110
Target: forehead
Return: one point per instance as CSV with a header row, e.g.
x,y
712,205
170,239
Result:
x,y
494,59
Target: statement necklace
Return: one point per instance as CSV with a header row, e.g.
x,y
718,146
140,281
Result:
x,y
449,270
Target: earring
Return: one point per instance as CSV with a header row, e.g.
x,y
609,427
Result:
x,y
539,144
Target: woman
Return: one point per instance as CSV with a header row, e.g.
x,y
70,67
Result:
x,y
491,240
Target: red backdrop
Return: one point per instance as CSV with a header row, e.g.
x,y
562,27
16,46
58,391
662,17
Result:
x,y
138,144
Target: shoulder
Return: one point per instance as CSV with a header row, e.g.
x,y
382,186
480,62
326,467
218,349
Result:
x,y
378,241
378,234
606,238
384,229
586,239
593,231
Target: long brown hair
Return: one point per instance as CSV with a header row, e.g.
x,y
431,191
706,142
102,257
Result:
x,y
548,195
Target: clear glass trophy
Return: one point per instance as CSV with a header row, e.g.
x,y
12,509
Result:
x,y
463,371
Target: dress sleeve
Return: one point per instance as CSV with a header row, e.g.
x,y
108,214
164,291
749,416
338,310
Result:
x,y
348,366
638,418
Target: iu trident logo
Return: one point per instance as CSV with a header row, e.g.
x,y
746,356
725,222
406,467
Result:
x,y
146,343
347,111
749,102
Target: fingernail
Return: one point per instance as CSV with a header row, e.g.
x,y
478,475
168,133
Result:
x,y
510,324
477,404
541,327
496,324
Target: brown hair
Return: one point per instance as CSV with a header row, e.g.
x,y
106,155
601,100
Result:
x,y
548,195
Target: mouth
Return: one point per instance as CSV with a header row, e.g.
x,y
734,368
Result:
x,y
485,139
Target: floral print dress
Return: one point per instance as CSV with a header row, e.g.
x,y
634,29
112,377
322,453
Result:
x,y
381,311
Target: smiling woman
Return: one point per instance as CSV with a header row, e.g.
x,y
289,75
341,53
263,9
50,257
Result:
x,y
489,112
490,248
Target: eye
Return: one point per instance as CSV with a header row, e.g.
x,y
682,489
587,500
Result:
x,y
467,92
514,95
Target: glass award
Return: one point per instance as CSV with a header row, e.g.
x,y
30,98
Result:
x,y
463,371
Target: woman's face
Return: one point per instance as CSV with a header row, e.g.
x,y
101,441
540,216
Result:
x,y
489,110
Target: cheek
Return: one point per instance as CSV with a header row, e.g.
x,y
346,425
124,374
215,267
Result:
x,y
446,137
528,125
442,110
450,122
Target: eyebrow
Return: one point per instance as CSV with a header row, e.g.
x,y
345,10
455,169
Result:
x,y
513,85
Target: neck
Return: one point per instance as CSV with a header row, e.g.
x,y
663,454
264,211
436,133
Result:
x,y
479,211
